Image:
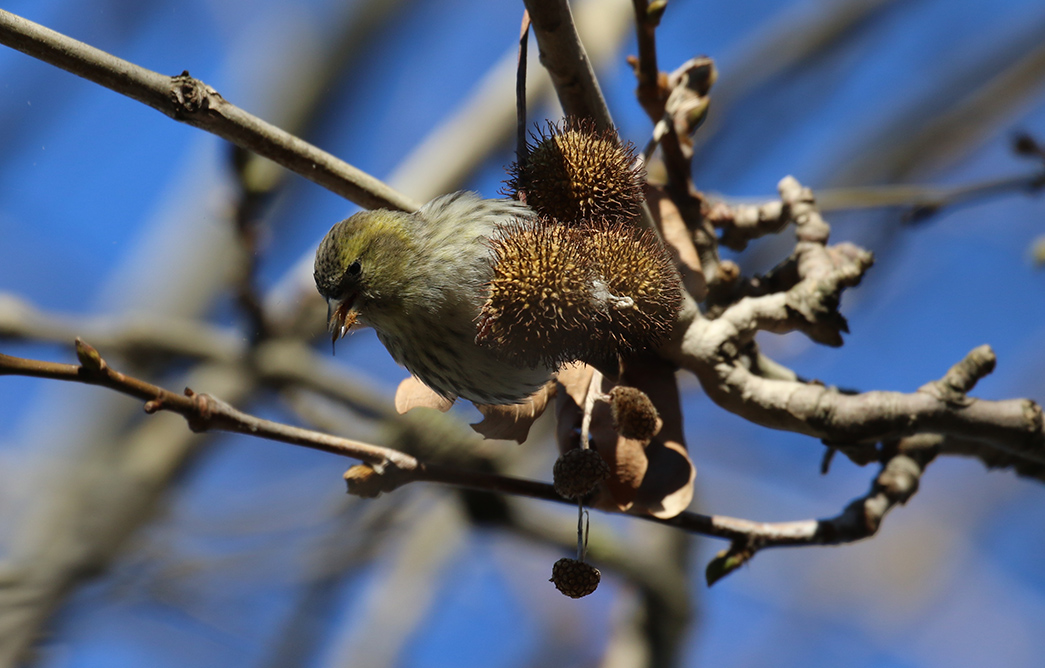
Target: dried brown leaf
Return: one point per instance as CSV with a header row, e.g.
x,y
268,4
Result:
x,y
575,379
512,422
667,487
679,241
654,477
412,393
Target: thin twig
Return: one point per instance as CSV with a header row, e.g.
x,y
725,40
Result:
x,y
520,92
653,95
649,92
201,411
206,413
926,199
191,101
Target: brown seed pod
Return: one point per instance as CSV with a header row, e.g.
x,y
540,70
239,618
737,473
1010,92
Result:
x,y
575,578
634,415
639,287
578,472
535,312
579,173
561,293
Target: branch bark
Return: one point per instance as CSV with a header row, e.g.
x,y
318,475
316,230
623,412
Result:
x,y
191,101
385,469
563,55
714,351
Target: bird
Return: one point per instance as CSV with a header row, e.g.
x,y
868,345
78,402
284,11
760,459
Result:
x,y
420,280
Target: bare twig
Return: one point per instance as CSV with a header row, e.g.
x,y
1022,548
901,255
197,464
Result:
x,y
650,93
520,92
385,470
189,100
201,411
385,467
653,93
895,483
132,335
924,200
740,220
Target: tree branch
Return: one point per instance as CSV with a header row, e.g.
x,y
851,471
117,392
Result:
x,y
190,101
895,483
741,222
130,335
713,350
563,55
385,469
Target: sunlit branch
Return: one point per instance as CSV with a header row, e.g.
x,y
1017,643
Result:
x,y
385,469
190,101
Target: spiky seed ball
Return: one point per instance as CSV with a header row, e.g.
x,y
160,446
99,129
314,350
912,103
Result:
x,y
579,173
578,472
642,288
535,313
634,415
561,293
575,578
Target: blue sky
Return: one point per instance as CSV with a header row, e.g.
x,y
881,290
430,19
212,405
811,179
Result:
x,y
108,207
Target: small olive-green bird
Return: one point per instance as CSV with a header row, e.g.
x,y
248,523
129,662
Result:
x,y
420,280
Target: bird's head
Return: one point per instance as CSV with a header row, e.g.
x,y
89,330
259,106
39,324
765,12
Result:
x,y
362,260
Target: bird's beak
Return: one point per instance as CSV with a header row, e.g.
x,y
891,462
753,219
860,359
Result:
x,y
341,316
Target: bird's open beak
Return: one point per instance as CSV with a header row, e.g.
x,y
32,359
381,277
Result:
x,y
341,316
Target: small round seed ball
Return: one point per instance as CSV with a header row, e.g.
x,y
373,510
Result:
x,y
634,415
575,578
578,472
588,292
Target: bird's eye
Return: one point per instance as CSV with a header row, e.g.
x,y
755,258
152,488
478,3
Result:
x,y
348,279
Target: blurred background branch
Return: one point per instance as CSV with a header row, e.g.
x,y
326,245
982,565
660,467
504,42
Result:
x,y
190,539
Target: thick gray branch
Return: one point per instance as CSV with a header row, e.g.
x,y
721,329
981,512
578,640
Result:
x,y
713,351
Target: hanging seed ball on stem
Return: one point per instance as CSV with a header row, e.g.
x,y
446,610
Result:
x,y
575,578
579,173
577,472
